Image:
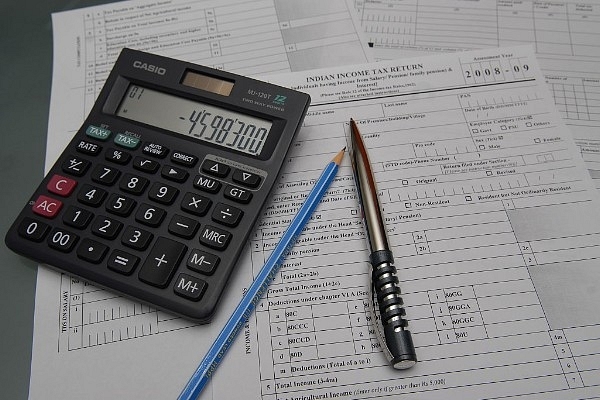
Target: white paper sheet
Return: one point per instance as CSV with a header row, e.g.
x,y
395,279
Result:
x,y
493,221
89,343
241,36
494,224
565,34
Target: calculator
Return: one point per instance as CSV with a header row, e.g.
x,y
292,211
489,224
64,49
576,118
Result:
x,y
157,194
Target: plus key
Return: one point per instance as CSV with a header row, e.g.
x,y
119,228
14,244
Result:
x,y
161,263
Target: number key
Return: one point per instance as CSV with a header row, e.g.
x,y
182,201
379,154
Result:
x,y
162,193
105,227
105,175
120,205
62,240
133,184
33,230
150,215
77,217
135,238
91,195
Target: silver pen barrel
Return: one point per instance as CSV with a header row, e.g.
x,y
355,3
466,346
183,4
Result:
x,y
367,191
391,324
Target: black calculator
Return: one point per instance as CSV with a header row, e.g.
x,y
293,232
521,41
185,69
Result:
x,y
157,194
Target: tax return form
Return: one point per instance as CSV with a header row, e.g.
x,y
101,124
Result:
x,y
493,221
565,35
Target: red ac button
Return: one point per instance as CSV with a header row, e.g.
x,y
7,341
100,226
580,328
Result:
x,y
46,206
61,185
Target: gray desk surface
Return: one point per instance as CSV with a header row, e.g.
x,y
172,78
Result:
x,y
25,81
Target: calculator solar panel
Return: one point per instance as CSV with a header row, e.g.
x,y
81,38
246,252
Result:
x,y
156,195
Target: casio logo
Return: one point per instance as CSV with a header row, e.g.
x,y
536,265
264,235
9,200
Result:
x,y
149,67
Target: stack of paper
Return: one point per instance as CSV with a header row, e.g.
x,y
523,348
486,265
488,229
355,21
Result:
x,y
492,216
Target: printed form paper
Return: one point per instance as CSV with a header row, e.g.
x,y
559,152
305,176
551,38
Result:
x,y
89,343
565,34
495,228
493,221
242,36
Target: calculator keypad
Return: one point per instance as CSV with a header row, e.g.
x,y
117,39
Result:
x,y
128,208
158,193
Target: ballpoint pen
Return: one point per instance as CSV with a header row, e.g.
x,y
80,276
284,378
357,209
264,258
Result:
x,y
391,326
258,287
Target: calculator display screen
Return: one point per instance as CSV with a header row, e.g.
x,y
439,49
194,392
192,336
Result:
x,y
221,127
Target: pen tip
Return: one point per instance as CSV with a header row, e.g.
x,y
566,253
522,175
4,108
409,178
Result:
x,y
354,127
355,137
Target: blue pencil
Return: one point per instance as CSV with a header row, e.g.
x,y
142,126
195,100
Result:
x,y
253,295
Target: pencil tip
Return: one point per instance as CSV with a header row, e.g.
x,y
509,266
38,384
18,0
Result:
x,y
339,156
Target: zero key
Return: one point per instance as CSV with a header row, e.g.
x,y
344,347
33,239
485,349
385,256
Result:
x,y
33,230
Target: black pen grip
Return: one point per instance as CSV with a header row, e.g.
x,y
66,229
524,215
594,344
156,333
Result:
x,y
387,296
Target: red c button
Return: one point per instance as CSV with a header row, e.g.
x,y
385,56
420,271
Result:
x,y
61,185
